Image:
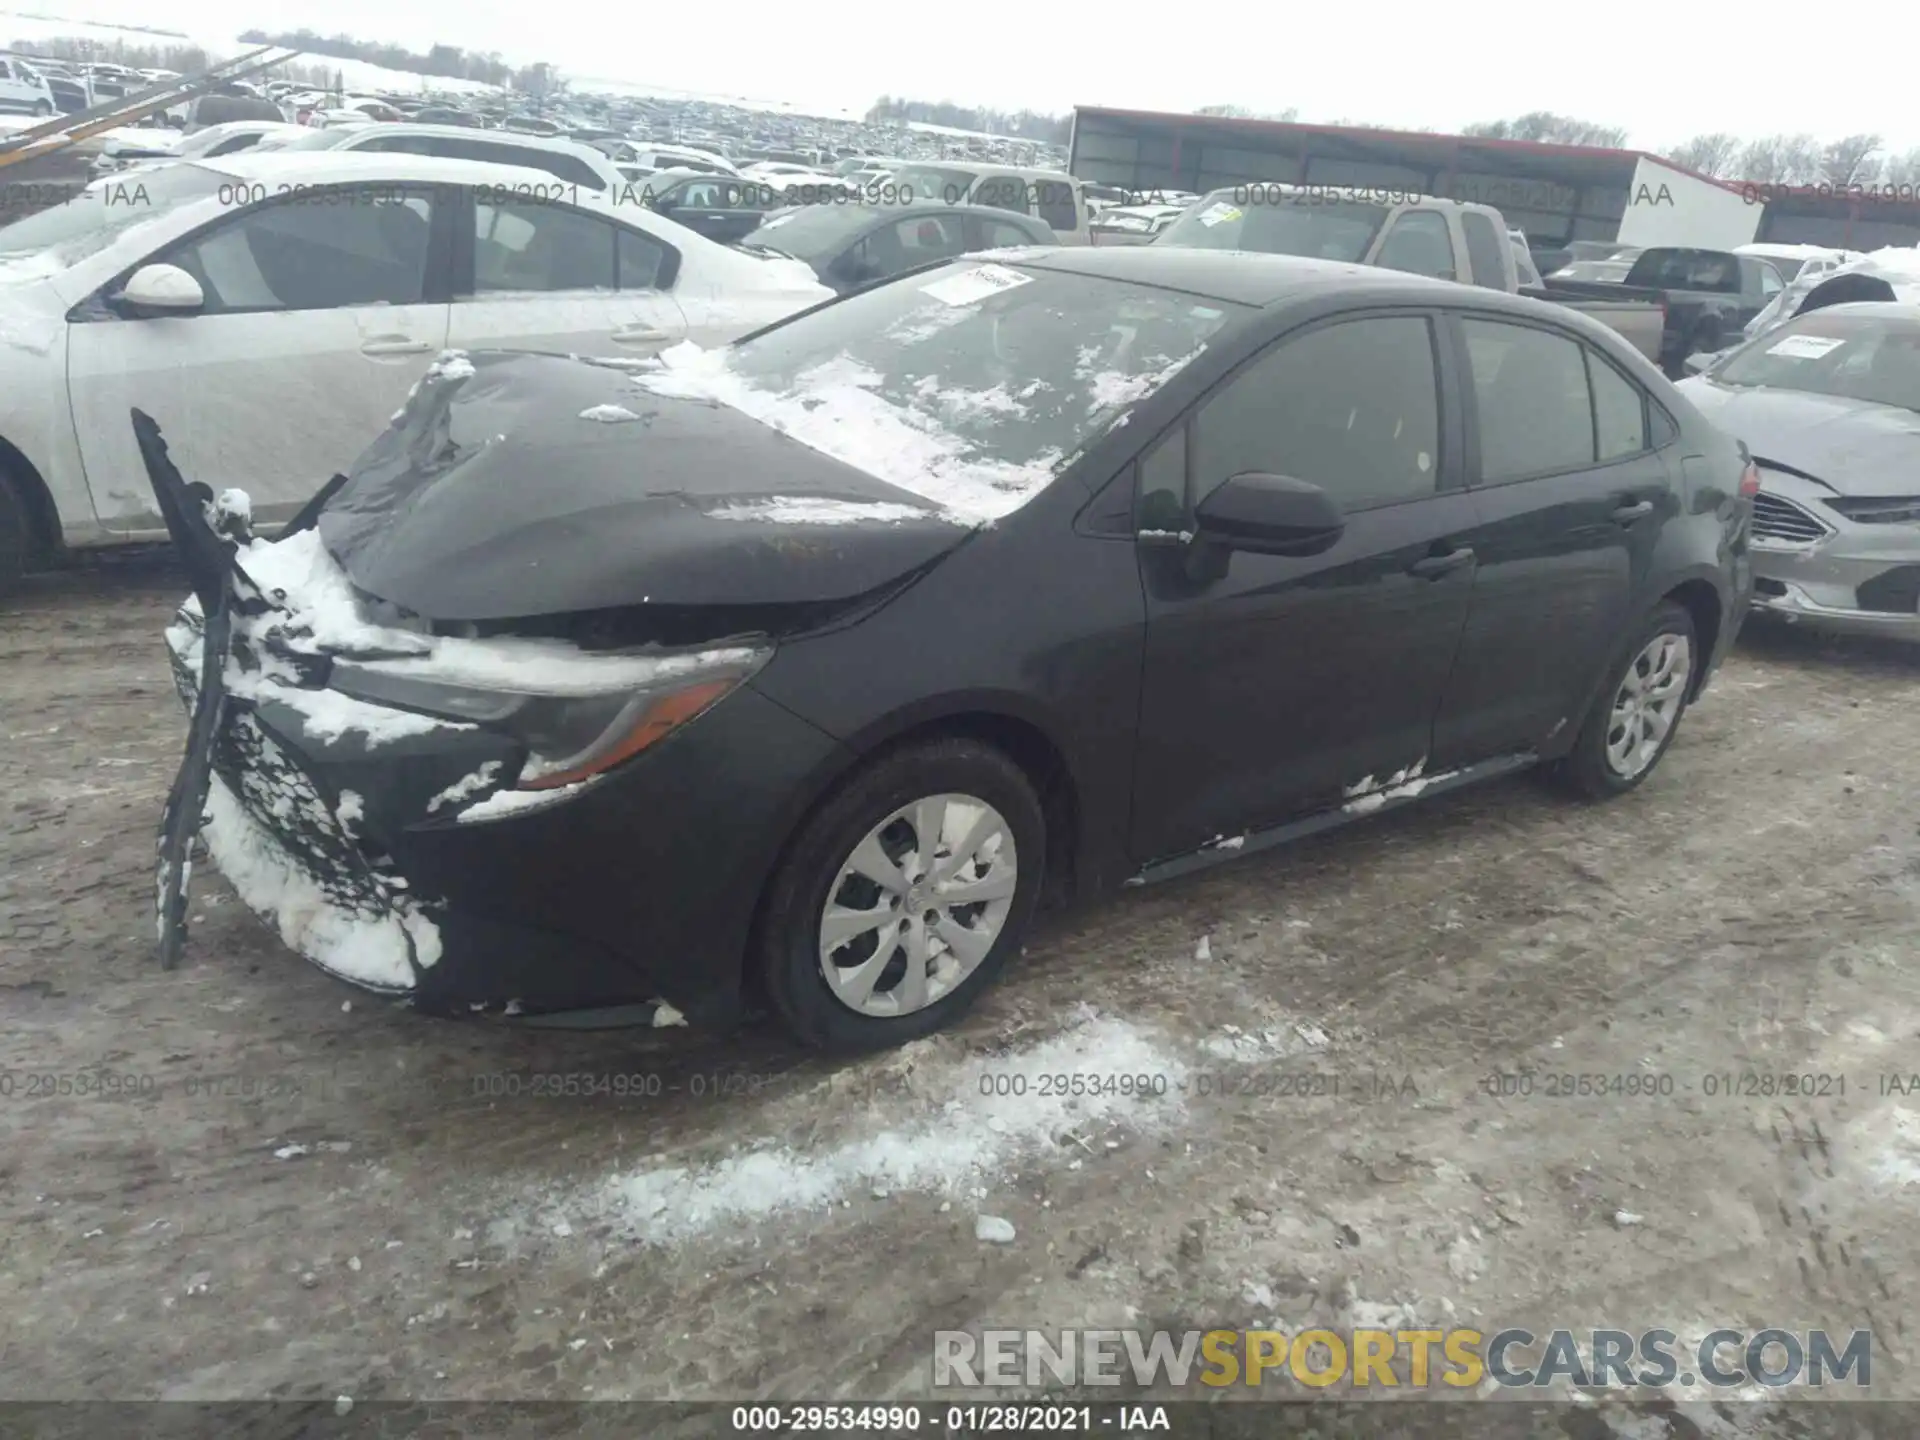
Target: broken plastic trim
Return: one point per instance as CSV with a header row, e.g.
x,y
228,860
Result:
x,y
207,539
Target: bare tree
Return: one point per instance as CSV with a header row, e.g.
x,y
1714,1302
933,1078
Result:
x,y
1545,127
1780,160
1713,154
1902,172
1242,112
1849,160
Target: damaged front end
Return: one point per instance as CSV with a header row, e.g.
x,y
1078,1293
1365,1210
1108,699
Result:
x,y
330,734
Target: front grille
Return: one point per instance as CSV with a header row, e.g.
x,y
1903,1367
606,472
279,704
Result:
x,y
1779,519
284,801
1894,592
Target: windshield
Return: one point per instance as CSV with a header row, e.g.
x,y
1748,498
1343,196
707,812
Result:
x,y
53,239
971,386
322,139
1289,225
1711,270
1859,357
935,182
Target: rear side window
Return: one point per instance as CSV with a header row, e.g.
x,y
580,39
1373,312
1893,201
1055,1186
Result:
x,y
1484,245
1619,411
1054,200
998,235
1351,407
1531,400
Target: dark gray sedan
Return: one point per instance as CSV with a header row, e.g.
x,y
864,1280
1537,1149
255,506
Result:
x,y
850,246
1829,404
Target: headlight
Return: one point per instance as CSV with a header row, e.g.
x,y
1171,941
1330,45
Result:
x,y
577,714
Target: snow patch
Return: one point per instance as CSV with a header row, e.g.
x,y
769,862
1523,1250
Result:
x,y
817,510
834,408
965,1140
465,786
608,414
1365,795
520,802
369,949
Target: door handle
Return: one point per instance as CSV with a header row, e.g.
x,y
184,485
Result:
x,y
639,335
1639,510
1432,567
395,345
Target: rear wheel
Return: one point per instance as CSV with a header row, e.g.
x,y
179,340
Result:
x,y
16,535
1637,714
42,108
902,896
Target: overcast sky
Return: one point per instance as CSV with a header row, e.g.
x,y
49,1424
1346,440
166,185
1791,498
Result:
x,y
1649,67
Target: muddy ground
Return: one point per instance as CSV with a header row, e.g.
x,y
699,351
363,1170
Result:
x,y
298,1191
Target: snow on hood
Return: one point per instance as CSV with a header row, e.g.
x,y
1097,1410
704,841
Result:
x,y
833,408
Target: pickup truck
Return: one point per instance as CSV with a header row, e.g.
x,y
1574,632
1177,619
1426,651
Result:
x,y
1708,295
1448,239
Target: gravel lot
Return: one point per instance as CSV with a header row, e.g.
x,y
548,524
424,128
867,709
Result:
x,y
307,1197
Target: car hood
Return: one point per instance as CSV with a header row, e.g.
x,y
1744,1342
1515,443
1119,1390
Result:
x,y
519,485
1854,446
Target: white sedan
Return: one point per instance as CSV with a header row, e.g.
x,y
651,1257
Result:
x,y
272,310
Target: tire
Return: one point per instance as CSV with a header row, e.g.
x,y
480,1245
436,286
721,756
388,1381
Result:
x,y
42,109
1595,767
979,790
16,536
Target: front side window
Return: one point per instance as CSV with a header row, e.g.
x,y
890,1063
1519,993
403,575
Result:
x,y
1530,398
313,252
1351,407
527,246
1419,244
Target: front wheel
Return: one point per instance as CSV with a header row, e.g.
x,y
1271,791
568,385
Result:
x,y
1636,715
902,896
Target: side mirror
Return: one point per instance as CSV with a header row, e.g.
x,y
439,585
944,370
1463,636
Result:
x,y
1270,515
162,287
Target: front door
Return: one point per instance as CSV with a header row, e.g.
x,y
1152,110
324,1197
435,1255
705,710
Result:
x,y
551,276
316,323
1276,686
1570,492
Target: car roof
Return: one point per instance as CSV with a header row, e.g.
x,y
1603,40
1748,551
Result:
x,y
1241,276
324,167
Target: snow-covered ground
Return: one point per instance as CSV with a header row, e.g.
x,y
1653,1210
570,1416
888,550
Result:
x,y
349,1199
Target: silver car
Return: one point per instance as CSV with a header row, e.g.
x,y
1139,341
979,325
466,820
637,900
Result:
x,y
1829,405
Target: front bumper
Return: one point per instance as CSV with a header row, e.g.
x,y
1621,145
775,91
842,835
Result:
x,y
634,888
1815,566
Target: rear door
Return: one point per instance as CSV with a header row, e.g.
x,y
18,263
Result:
x,y
1570,490
322,310
543,275
1274,684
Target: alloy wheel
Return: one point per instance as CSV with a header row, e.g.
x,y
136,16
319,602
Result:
x,y
1648,703
918,904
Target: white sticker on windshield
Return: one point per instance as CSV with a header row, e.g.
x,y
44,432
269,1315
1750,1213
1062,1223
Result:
x,y
1218,214
976,284
777,220
1804,347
